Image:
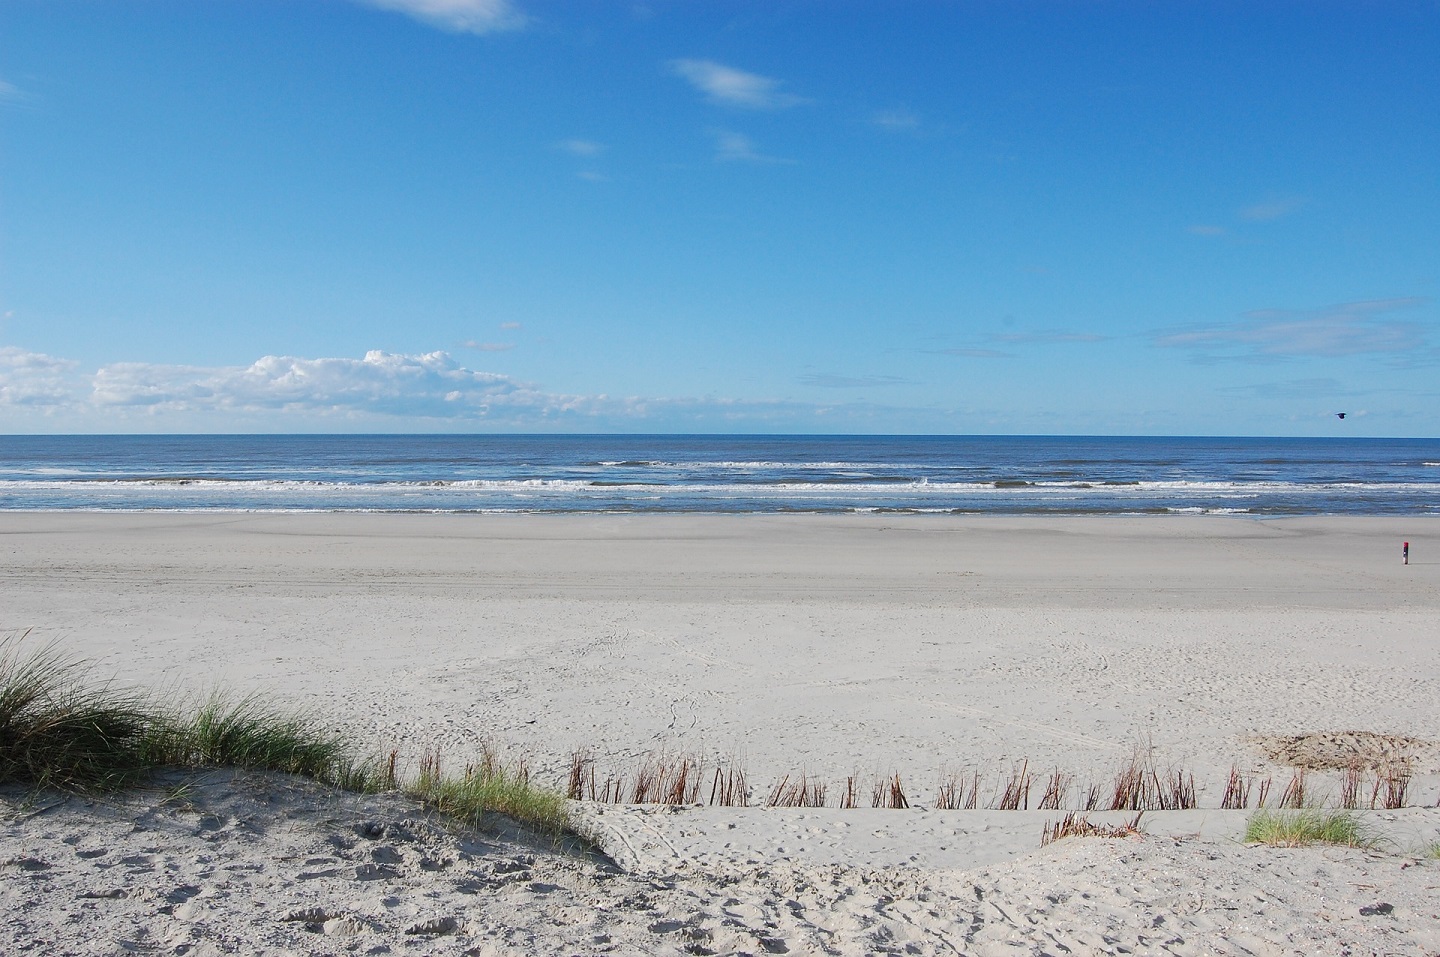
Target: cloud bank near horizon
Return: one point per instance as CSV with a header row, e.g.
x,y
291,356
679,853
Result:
x,y
381,388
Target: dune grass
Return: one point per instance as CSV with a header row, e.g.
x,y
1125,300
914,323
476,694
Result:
x,y
1307,826
60,730
489,786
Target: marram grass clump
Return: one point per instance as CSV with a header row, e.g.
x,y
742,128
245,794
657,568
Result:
x,y
1307,826
489,786
59,730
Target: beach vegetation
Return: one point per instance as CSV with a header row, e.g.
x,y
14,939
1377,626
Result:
x,y
1079,825
60,730
1300,828
488,786
57,731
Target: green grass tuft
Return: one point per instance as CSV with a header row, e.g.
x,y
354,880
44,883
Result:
x,y
1307,826
477,793
250,735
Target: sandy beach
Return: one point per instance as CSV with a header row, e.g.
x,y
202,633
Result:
x,y
835,647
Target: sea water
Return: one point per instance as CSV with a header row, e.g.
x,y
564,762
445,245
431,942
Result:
x,y
722,474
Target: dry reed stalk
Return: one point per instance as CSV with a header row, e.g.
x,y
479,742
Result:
x,y
645,785
847,800
614,788
1139,787
1181,793
1237,791
1092,797
1077,825
1056,788
664,779
957,793
949,795
1350,786
889,793
575,786
1129,791
972,796
1294,794
684,785
429,768
1017,789
780,793
802,793
729,788
1397,783
392,779
1264,792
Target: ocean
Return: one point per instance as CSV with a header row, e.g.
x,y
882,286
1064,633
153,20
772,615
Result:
x,y
1011,475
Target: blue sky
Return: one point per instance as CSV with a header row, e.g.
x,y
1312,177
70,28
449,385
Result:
x,y
917,217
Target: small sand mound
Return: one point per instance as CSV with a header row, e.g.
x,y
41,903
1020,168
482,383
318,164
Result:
x,y
1331,750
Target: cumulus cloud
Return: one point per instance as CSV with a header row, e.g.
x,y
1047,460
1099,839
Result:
x,y
383,390
458,16
432,385
728,86
1347,329
34,379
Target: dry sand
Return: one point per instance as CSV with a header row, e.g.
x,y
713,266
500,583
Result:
x,y
832,646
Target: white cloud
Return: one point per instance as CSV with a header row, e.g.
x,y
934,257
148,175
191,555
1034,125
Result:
x,y
899,120
35,379
1347,329
731,87
432,385
381,390
1272,209
459,16
582,147
732,147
